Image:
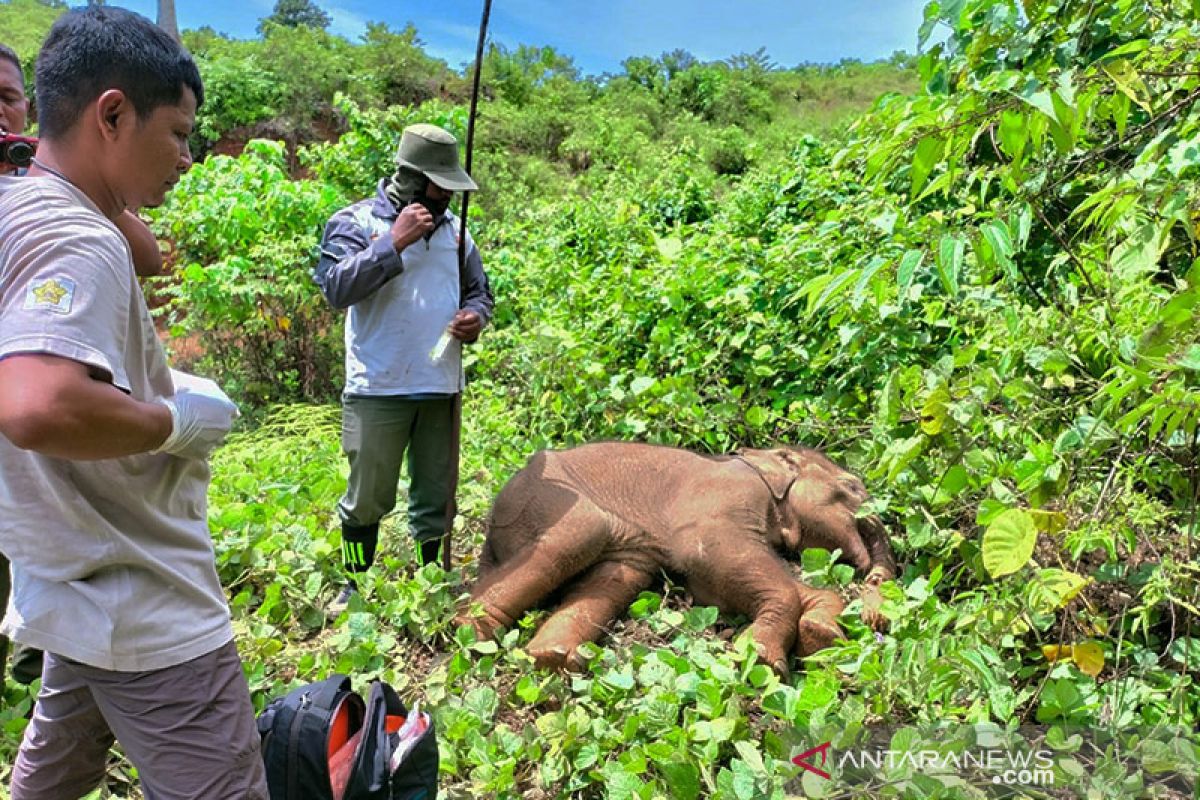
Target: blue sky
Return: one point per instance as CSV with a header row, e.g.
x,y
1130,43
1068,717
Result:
x,y
599,35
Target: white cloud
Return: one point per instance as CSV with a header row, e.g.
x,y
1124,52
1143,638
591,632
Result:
x,y
346,23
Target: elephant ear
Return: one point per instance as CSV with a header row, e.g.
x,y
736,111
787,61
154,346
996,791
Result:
x,y
776,467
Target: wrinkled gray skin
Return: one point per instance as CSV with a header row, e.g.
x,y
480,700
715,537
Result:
x,y
600,521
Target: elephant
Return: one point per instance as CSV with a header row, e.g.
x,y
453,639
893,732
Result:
x,y
601,520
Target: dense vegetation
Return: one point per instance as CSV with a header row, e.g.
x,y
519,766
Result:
x,y
980,296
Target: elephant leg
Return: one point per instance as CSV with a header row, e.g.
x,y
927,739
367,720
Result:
x,y
597,597
756,583
882,568
575,542
818,625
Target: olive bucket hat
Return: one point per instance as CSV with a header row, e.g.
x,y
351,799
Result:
x,y
434,152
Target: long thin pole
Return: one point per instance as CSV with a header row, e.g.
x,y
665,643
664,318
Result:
x,y
456,410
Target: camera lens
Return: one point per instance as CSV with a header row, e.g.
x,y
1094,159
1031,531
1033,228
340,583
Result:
x,y
19,154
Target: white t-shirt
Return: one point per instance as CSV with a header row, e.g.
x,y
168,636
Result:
x,y
112,561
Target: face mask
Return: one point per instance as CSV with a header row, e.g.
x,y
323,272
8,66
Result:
x,y
436,207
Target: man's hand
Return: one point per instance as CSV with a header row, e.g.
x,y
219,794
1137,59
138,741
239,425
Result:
x,y
199,423
414,222
465,326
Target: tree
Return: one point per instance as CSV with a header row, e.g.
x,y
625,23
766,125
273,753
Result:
x,y
166,18
295,14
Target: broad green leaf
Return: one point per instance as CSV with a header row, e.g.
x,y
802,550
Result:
x,y
1129,81
1051,589
999,240
1186,650
1008,542
864,281
831,289
1138,254
641,384
757,416
682,779
1014,134
906,271
669,248
1127,49
950,259
928,153
935,411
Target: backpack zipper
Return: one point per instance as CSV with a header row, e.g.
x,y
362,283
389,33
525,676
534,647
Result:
x,y
293,740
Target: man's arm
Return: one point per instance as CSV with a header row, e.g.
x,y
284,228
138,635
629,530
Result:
x,y
54,406
352,267
475,291
147,258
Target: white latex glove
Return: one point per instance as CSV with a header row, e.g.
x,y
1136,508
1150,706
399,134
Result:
x,y
201,416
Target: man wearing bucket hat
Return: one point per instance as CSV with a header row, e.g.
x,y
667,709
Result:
x,y
392,262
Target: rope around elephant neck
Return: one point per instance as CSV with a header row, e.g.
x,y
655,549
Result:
x,y
777,498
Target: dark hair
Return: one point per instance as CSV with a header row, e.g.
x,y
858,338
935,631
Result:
x,y
7,54
91,50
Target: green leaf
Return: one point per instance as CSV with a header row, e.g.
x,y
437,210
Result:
x,y
669,248
950,259
1051,589
928,153
999,240
906,271
1008,542
641,385
1130,82
682,779
757,416
1014,135
831,290
1186,650
935,411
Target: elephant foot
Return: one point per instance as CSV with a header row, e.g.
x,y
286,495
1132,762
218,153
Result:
x,y
814,635
558,657
818,626
774,656
871,614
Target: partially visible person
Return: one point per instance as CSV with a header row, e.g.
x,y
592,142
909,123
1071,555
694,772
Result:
x,y
103,449
14,109
392,260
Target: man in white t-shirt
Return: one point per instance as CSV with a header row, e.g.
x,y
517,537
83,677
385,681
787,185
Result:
x,y
103,449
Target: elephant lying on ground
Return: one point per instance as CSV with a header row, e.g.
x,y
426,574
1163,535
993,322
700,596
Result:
x,y
600,521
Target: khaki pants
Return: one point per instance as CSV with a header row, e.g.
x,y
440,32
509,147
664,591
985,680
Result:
x,y
377,433
189,730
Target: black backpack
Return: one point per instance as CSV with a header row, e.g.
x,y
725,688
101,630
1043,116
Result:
x,y
323,733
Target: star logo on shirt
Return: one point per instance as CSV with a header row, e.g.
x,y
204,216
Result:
x,y
52,294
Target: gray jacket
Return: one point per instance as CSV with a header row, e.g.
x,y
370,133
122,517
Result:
x,y
398,303
356,261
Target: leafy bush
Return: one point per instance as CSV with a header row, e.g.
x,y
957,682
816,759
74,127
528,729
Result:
x,y
245,240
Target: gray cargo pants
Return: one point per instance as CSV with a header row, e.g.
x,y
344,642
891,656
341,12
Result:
x,y
377,433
